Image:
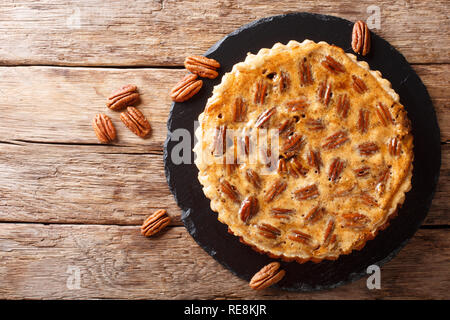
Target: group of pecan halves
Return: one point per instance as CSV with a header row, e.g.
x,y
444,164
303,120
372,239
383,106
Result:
x,y
124,98
187,87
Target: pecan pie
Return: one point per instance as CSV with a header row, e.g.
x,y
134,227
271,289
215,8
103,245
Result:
x,y
304,152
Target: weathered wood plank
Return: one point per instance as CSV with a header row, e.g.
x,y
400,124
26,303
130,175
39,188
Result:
x,y
49,104
106,185
53,104
437,82
117,262
69,184
163,32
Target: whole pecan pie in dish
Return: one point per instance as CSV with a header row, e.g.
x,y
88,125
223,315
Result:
x,y
304,152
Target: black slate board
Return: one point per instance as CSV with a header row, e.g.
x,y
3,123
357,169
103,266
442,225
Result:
x,y
201,221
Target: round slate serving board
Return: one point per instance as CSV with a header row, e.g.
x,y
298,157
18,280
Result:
x,y
201,222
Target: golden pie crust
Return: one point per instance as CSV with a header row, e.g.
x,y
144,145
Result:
x,y
339,155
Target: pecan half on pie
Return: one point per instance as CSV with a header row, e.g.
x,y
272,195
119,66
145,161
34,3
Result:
x,y
304,152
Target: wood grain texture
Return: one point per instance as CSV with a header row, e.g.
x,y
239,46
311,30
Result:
x,y
117,262
437,83
163,32
88,184
58,104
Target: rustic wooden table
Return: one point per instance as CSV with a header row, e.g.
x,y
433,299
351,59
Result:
x,y
70,208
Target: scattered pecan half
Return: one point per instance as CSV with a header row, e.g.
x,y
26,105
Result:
x,y
136,122
266,156
264,117
275,189
384,175
229,190
355,220
249,207
299,236
332,65
362,171
292,145
268,231
305,73
307,193
394,146
231,163
314,159
363,120
328,232
230,168
260,92
286,128
383,114
336,168
343,105
267,276
239,110
219,145
345,192
244,142
315,124
315,214
295,168
361,38
297,105
368,148
155,223
104,128
336,140
253,178
186,88
324,92
358,85
202,66
285,81
123,97
368,200
382,180
282,167
281,213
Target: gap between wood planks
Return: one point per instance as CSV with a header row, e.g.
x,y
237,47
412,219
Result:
x,y
174,67
423,227
158,151
113,224
23,142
